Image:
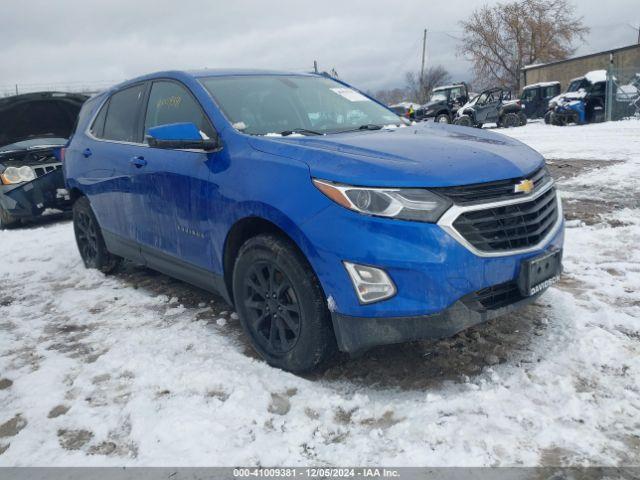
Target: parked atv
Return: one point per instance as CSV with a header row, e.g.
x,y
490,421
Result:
x,y
583,102
535,98
492,106
444,103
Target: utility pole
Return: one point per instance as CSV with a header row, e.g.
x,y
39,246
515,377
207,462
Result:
x,y
315,66
424,51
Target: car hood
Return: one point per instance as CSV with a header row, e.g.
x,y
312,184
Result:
x,y
423,155
432,104
34,115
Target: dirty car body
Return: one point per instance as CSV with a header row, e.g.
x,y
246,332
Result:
x,y
33,127
402,232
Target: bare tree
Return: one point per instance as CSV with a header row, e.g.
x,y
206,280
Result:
x,y
503,38
434,76
389,96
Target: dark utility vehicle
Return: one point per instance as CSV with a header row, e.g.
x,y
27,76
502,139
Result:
x,y
444,103
535,98
492,106
583,102
32,127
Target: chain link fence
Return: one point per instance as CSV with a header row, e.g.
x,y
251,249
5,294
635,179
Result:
x,y
623,93
90,87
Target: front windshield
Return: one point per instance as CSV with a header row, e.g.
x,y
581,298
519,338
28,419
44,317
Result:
x,y
268,104
438,96
34,143
576,85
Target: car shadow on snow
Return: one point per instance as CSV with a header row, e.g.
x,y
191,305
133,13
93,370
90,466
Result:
x,y
416,365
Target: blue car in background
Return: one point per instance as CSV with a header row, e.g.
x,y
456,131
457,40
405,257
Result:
x,y
326,220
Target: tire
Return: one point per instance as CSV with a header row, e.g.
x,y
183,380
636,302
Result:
x,y
6,220
558,121
89,239
510,120
464,121
299,336
523,118
547,117
443,118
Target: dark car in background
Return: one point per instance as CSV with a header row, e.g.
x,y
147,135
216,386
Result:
x,y
444,103
535,98
33,127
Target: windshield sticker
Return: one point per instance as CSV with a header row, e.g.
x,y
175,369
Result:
x,y
350,94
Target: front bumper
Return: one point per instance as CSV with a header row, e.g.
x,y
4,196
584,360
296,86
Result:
x,y
357,334
31,199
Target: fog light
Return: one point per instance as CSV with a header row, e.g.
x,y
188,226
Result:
x,y
371,284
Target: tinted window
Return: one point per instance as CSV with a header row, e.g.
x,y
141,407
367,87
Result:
x,y
97,129
531,94
551,91
599,88
122,115
170,102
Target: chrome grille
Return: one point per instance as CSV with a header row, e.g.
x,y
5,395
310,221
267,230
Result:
x,y
511,226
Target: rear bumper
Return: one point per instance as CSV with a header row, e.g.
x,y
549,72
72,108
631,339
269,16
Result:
x,y
32,199
357,334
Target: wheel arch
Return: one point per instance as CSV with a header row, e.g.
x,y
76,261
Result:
x,y
252,226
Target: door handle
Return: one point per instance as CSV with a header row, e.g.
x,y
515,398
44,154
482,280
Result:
x,y
138,161
87,153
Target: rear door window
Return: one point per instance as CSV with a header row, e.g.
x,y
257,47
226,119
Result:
x,y
170,102
122,115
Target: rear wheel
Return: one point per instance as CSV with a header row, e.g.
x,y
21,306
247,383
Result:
x,y
6,220
547,117
464,121
89,239
443,118
510,120
523,118
282,307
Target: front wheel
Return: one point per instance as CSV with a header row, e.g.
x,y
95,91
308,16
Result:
x,y
89,239
443,118
282,307
547,117
464,121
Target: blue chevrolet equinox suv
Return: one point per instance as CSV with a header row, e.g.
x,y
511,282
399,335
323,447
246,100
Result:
x,y
328,221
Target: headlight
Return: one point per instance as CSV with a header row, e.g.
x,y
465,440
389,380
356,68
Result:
x,y
416,204
17,175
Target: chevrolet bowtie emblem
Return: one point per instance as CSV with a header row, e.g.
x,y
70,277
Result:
x,y
525,186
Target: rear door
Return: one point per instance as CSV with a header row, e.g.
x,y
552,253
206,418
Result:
x,y
174,213
109,159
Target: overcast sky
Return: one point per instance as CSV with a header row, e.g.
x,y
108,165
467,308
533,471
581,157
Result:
x,y
370,43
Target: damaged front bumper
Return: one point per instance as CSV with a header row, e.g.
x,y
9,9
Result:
x,y
358,334
29,200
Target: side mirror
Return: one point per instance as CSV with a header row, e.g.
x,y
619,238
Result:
x,y
178,136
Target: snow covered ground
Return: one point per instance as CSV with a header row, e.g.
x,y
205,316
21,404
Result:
x,y
138,369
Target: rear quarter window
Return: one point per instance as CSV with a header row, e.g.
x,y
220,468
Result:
x,y
122,113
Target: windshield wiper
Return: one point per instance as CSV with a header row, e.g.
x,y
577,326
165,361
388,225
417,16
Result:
x,y
366,126
303,131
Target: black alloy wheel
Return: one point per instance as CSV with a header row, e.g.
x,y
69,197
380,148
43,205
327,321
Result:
x,y
89,239
283,309
272,307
